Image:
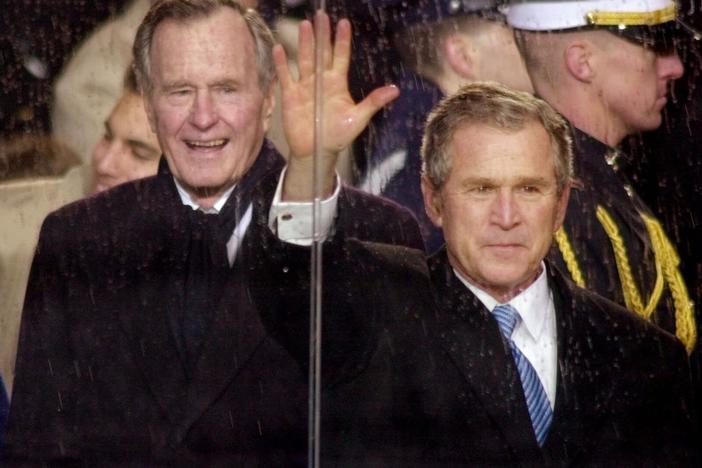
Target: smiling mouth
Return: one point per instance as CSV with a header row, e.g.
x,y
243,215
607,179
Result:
x,y
206,144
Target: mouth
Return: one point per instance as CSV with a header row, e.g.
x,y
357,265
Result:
x,y
504,248
206,145
662,101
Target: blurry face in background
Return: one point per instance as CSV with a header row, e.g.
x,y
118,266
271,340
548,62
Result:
x,y
129,149
499,59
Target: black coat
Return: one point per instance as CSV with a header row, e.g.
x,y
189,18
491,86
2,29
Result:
x,y
419,375
100,377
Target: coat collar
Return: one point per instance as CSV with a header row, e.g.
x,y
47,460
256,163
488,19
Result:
x,y
472,339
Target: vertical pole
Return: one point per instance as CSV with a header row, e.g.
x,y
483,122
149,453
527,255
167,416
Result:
x,y
315,375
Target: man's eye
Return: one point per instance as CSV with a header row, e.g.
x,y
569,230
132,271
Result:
x,y
482,189
180,92
531,190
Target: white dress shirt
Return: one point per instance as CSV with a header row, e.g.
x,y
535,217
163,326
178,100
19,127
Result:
x,y
535,334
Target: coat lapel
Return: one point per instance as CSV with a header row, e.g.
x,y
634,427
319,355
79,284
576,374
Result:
x,y
158,281
577,398
236,331
472,339
158,285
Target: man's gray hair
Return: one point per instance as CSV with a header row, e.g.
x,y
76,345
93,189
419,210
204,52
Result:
x,y
496,106
191,10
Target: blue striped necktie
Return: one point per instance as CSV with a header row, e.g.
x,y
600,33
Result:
x,y
538,405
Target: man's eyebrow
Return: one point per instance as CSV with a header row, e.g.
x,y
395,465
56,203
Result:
x,y
225,82
538,180
535,180
176,84
470,180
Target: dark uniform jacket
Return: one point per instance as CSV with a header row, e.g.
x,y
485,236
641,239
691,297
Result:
x,y
395,165
613,245
101,377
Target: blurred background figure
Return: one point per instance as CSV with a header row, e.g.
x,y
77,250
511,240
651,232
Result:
x,y
128,149
91,81
36,40
37,176
28,156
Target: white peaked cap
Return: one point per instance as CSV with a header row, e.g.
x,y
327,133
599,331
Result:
x,y
568,14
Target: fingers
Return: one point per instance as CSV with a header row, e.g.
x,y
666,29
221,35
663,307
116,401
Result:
x,y
375,101
305,50
280,60
342,47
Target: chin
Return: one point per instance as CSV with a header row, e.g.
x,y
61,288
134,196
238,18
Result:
x,y
651,123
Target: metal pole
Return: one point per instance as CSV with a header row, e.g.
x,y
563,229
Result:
x,y
315,375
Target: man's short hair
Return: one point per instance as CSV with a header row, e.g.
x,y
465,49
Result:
x,y
190,10
497,106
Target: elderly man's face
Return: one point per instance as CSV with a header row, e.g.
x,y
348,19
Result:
x,y
633,82
129,149
206,105
499,206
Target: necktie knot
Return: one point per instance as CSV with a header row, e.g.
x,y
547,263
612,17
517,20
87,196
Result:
x,y
507,318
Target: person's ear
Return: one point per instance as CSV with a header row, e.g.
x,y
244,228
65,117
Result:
x,y
268,106
578,57
432,202
459,57
149,109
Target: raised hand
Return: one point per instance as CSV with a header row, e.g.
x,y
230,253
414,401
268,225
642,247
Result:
x,y
343,119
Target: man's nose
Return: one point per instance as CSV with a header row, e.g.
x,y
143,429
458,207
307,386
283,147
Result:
x,y
204,113
670,66
108,158
505,212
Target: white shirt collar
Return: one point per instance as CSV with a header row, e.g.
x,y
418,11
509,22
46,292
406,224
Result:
x,y
187,199
533,304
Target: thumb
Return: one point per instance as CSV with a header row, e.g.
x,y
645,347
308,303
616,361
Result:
x,y
379,98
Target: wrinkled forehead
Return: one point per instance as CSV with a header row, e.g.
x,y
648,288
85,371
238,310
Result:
x,y
219,43
479,149
202,30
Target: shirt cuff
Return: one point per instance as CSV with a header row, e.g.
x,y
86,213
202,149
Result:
x,y
292,221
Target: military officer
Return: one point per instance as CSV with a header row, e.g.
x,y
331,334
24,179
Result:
x,y
606,65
